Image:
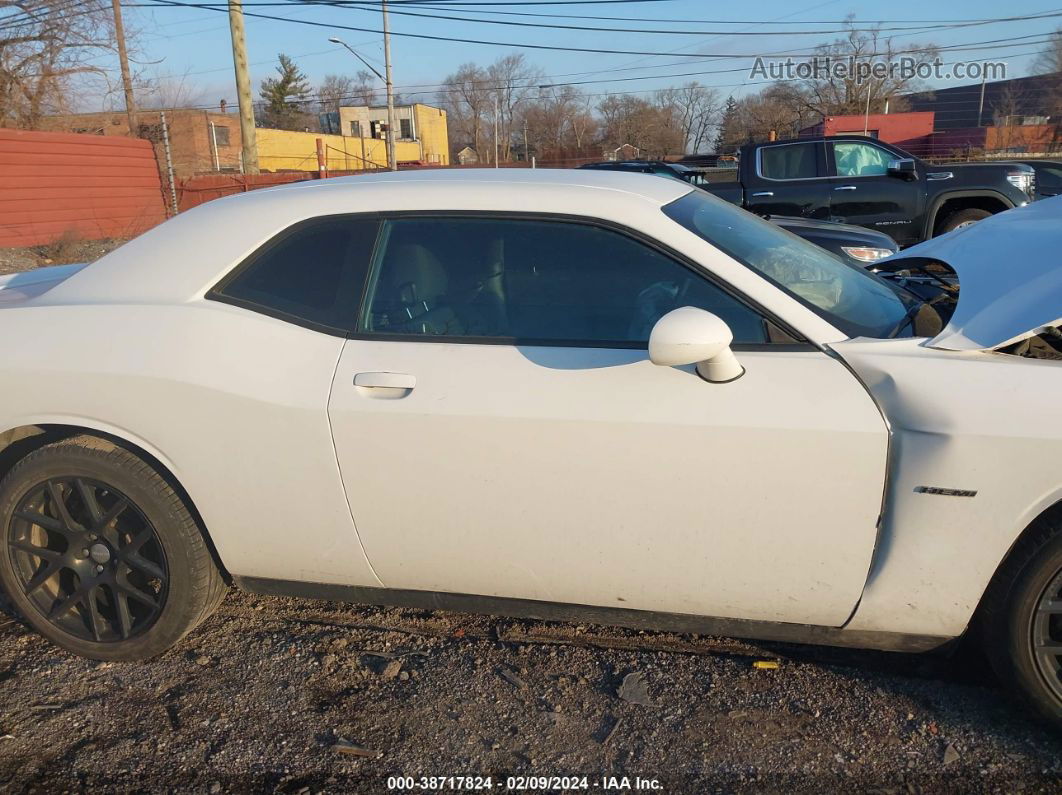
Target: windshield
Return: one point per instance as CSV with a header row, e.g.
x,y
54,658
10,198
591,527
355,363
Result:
x,y
858,302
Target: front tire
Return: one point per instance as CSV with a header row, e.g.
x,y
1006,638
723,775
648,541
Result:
x,y
1022,619
958,220
100,554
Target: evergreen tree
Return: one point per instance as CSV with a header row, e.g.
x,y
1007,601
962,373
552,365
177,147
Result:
x,y
729,135
284,97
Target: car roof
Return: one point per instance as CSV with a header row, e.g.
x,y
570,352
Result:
x,y
503,180
177,259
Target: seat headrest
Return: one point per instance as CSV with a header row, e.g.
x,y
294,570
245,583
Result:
x,y
415,273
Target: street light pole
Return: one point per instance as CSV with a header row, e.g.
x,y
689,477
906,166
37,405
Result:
x,y
392,163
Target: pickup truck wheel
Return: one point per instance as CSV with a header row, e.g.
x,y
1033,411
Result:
x,y
961,218
100,554
1022,620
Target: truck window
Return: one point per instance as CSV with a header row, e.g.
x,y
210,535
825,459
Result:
x,y
789,161
854,159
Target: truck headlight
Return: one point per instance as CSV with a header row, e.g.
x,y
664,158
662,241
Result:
x,y
1025,181
866,253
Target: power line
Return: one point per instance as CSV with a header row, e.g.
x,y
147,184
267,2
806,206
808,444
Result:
x,y
362,5
758,22
1026,92
558,48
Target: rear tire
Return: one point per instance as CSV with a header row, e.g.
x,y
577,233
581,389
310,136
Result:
x,y
1021,618
963,218
100,554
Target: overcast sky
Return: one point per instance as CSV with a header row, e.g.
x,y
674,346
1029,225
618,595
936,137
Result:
x,y
194,43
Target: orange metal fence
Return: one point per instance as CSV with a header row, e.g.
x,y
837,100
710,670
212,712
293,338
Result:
x,y
54,185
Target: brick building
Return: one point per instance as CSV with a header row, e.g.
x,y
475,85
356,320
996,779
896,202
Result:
x,y
200,141
893,128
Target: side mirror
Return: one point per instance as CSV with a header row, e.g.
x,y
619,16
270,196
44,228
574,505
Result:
x,y
903,167
688,335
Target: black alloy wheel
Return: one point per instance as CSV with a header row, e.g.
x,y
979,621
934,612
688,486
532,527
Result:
x,y
102,553
88,559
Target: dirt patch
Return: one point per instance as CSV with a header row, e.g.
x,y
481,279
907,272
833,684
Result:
x,y
63,251
291,696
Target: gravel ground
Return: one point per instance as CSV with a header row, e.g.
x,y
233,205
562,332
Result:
x,y
278,695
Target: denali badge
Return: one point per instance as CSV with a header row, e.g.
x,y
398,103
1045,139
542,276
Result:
x,y
945,492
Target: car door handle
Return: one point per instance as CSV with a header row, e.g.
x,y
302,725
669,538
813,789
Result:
x,y
846,187
764,193
385,380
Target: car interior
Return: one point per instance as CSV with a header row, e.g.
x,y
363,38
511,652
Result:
x,y
533,280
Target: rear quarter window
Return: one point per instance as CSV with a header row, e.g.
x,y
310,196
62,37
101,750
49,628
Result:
x,y
311,274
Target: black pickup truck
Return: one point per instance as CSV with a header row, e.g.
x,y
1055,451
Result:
x,y
855,245
863,181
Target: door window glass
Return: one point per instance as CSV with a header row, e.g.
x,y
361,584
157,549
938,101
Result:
x,y
791,161
861,160
533,281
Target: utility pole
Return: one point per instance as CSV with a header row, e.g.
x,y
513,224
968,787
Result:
x,y
496,131
981,104
527,154
248,141
392,163
123,61
866,113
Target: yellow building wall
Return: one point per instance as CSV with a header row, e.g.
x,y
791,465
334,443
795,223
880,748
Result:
x,y
434,138
283,150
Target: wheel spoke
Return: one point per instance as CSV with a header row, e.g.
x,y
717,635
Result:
x,y
141,564
41,520
1052,606
125,620
139,540
41,577
60,506
95,619
137,594
40,552
112,513
88,497
63,607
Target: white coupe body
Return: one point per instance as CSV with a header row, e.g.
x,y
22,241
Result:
x,y
870,487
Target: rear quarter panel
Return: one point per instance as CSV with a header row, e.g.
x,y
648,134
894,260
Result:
x,y
232,402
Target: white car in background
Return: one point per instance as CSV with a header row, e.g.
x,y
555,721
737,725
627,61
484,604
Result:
x,y
544,393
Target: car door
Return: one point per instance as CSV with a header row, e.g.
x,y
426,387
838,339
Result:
x,y
502,432
789,179
862,191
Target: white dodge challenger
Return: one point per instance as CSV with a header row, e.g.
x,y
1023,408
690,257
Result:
x,y
544,393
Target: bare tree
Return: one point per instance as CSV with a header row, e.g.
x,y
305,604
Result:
x,y
558,121
651,127
163,91
43,46
465,97
512,81
334,92
1050,60
831,93
695,109
1049,63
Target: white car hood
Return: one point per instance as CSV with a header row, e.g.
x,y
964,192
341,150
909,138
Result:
x,y
1010,276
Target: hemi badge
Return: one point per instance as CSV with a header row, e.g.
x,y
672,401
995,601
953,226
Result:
x,y
945,492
